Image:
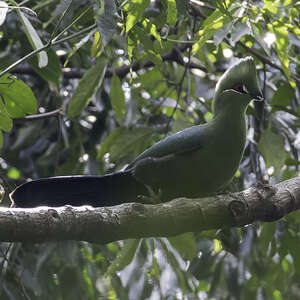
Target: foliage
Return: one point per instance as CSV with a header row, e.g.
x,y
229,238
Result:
x,y
125,73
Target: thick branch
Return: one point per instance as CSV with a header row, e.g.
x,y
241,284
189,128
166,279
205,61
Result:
x,y
135,220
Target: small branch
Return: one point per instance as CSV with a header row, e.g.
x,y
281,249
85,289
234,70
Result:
x,y
47,115
45,47
135,220
122,71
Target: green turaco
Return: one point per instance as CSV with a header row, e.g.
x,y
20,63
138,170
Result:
x,y
195,162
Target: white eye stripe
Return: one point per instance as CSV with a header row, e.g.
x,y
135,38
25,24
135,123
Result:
x,y
245,89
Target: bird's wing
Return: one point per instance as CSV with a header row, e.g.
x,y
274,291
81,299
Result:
x,y
187,140
173,158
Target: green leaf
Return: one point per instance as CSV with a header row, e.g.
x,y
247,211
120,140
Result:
x,y
123,141
266,236
211,25
182,7
34,39
106,19
135,12
149,76
5,120
258,33
151,28
1,139
185,244
282,47
3,11
86,88
172,13
271,146
117,98
13,173
271,6
78,45
96,48
18,97
283,95
52,72
125,256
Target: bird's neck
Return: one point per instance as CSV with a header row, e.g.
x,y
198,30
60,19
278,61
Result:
x,y
232,123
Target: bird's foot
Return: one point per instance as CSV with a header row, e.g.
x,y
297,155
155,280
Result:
x,y
153,197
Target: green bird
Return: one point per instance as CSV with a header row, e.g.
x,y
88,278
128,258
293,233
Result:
x,y
195,162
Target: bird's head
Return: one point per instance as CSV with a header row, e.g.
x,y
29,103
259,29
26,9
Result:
x,y
237,86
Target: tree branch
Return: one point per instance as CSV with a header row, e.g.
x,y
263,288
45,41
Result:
x,y
172,55
46,115
135,220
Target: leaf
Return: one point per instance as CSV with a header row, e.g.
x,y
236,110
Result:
x,y
122,141
135,12
257,32
270,6
125,256
172,13
96,48
106,19
3,11
221,34
151,28
211,25
239,31
59,10
52,72
117,98
86,88
185,244
282,48
266,236
283,95
271,146
182,7
34,40
18,97
78,45
5,120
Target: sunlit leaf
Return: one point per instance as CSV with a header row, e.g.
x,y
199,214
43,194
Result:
x,y
172,12
34,39
3,11
135,12
18,97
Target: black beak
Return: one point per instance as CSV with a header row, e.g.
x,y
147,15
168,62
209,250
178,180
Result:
x,y
258,97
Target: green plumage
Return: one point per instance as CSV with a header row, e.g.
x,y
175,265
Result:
x,y
200,160
195,162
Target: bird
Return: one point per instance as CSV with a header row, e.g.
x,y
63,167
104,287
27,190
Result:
x,y
196,162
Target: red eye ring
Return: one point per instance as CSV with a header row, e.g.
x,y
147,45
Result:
x,y
238,87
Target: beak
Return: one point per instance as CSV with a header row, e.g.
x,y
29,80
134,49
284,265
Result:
x,y
258,97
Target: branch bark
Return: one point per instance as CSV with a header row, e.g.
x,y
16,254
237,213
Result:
x,y
135,220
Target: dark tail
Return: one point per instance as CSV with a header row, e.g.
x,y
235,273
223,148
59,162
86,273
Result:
x,y
108,190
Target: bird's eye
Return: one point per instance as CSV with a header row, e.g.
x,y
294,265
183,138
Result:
x,y
238,87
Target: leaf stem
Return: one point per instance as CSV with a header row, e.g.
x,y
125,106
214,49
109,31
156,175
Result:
x,y
47,46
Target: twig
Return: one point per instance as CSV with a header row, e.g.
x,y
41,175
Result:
x,y
36,117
